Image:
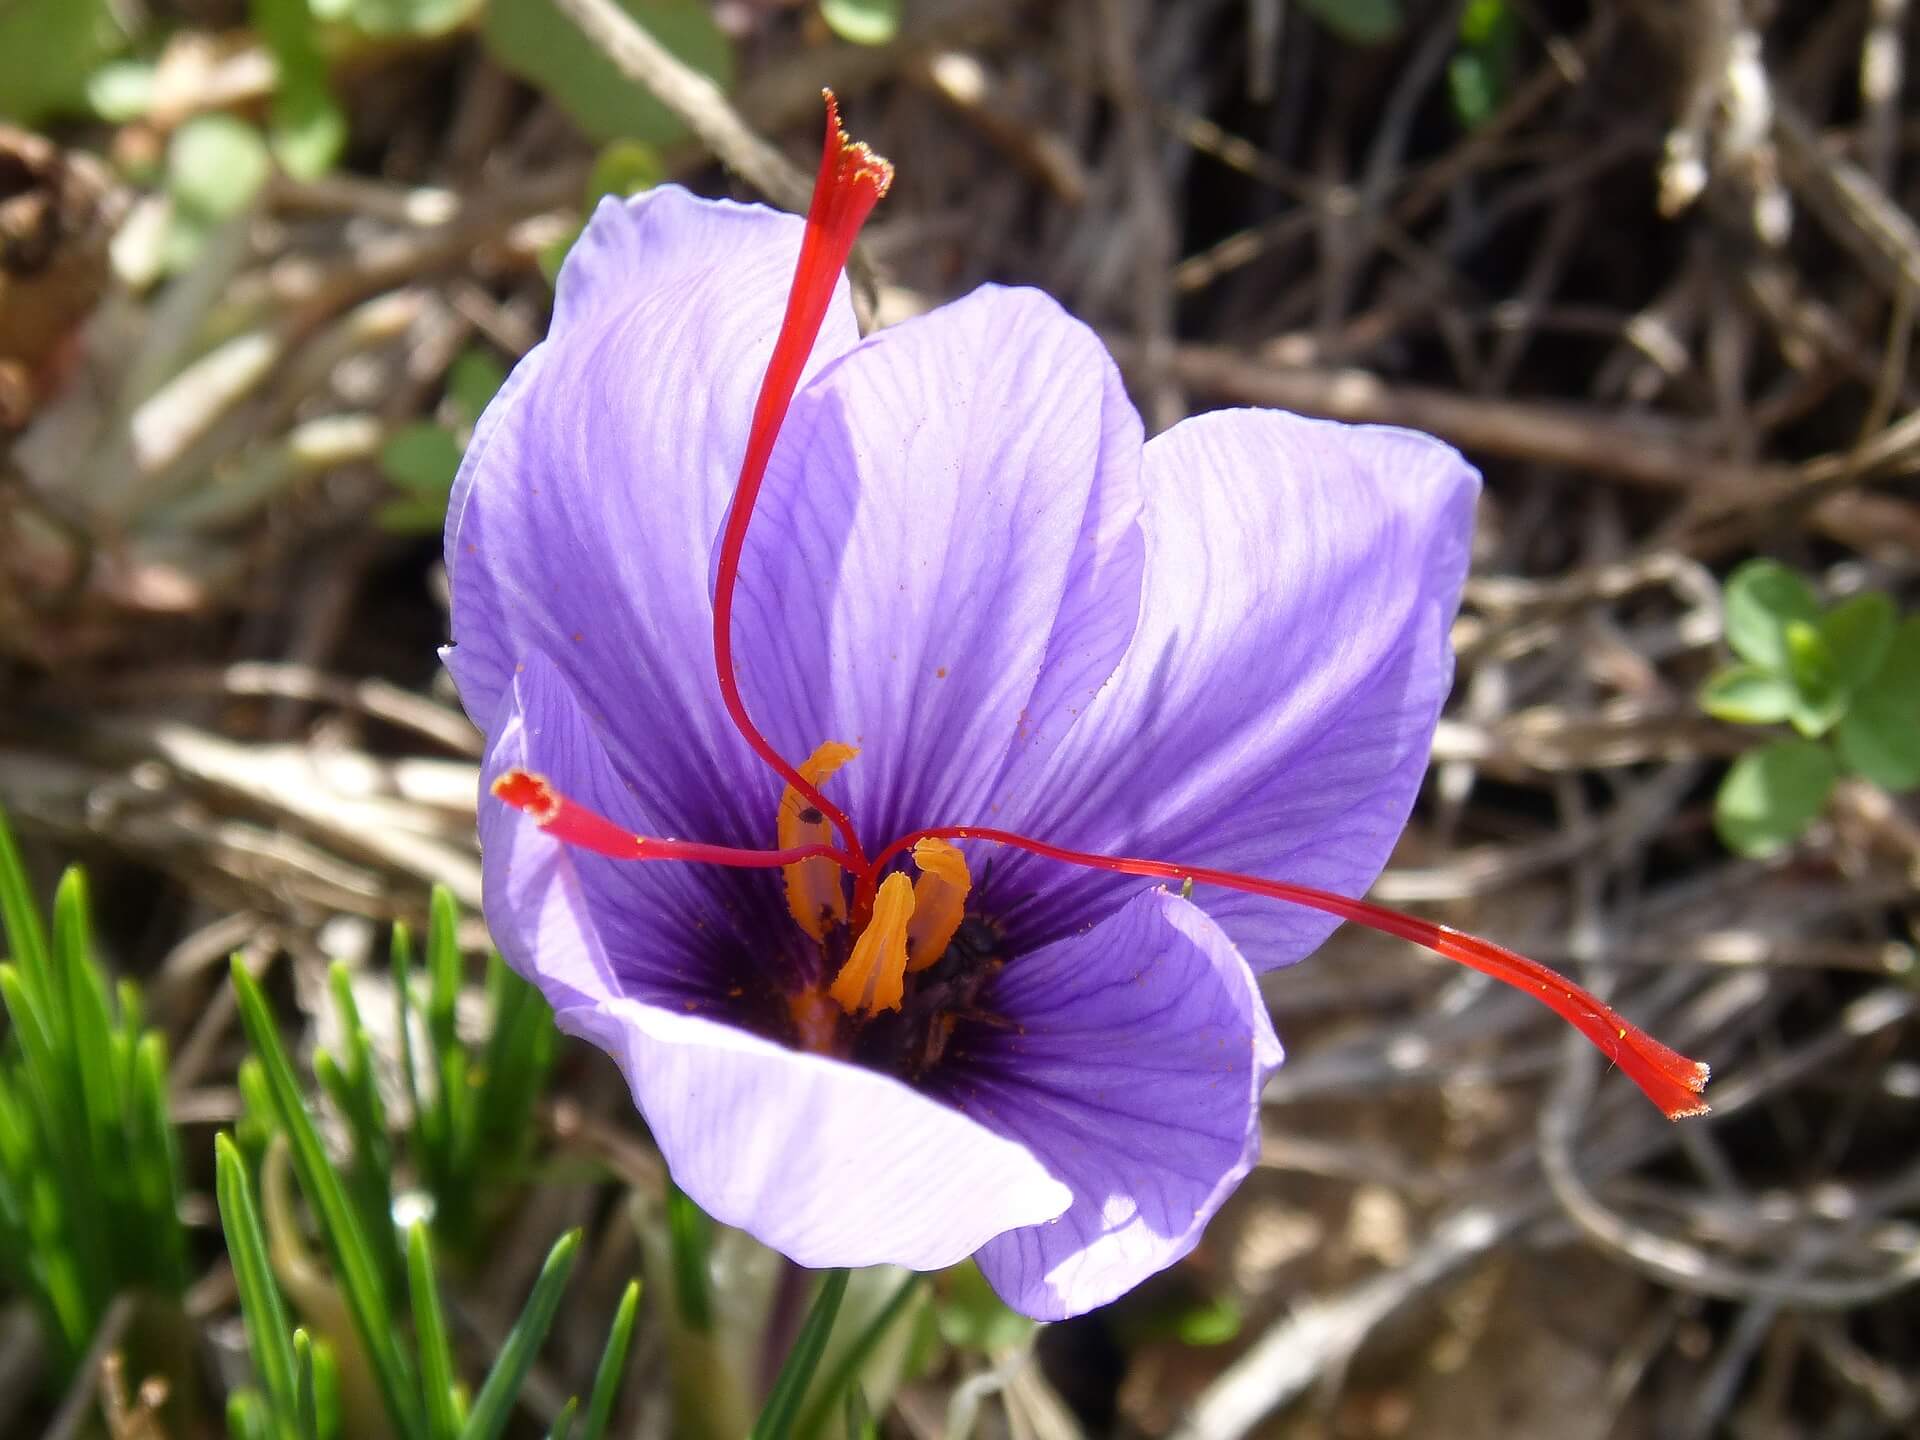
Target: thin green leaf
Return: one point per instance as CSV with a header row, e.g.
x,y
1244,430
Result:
x,y
261,1312
562,1428
306,1402
796,1374
689,1240
26,935
156,1150
1772,794
430,1328
494,1403
613,1365
858,1418
247,1417
354,1261
841,1380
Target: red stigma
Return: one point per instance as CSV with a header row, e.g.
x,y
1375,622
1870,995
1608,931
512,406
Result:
x,y
572,823
850,183
1666,1077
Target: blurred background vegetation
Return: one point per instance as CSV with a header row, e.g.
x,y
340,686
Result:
x,y
285,1152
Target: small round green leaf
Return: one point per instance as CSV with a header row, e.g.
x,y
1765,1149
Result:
x,y
1879,739
1856,634
1898,678
864,22
1772,794
473,380
422,457
1748,695
309,131
624,167
215,163
1762,598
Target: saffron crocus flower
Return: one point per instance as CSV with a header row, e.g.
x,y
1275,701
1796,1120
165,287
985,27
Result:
x,y
928,686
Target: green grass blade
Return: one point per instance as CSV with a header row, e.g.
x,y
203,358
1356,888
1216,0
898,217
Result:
x,y
613,1365
790,1387
859,1418
493,1405
26,935
261,1310
306,1400
322,1377
400,949
430,1330
562,1428
156,1158
689,1238
840,1381
353,1257
247,1417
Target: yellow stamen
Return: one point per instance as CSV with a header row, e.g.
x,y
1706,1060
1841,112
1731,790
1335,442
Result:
x,y
874,977
814,892
939,901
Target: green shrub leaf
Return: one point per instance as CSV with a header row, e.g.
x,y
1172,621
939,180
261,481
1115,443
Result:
x,y
1856,634
1879,740
1762,598
538,43
1772,794
864,22
1747,695
215,163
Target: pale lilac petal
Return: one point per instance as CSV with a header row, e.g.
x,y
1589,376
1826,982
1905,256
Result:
x,y
1132,1069
945,563
587,506
1275,711
827,1163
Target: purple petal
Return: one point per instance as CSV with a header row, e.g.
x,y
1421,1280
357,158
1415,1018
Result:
x,y
584,514
825,1162
1275,711
582,927
1134,1072
946,559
